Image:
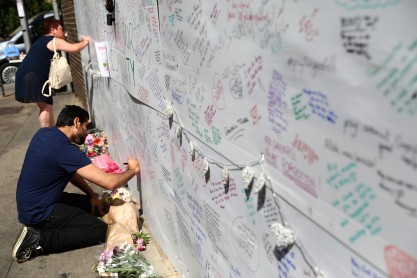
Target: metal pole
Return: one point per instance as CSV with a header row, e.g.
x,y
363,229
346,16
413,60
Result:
x,y
24,24
56,11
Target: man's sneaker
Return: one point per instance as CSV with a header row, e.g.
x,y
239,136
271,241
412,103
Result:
x,y
27,245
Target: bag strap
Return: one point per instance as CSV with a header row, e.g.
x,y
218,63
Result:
x,y
55,57
56,54
49,93
53,42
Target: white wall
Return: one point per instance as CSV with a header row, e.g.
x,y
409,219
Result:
x,y
324,91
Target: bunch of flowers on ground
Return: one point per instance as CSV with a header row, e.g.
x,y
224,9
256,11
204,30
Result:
x,y
126,262
95,143
141,239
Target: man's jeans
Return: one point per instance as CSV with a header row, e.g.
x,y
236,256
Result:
x,y
71,225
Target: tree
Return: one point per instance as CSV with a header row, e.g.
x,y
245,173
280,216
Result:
x,y
9,18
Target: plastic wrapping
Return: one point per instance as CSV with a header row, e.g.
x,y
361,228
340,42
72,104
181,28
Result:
x,y
107,164
123,222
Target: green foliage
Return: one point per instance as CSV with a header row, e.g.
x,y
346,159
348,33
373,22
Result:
x,y
9,18
141,235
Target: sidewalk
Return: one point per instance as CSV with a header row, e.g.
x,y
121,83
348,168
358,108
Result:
x,y
18,123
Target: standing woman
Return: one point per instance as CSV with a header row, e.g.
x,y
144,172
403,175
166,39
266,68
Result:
x,y
33,72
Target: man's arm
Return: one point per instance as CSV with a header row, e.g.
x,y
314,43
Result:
x,y
96,204
79,182
109,181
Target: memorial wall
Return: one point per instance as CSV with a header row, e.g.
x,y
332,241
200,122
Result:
x,y
276,138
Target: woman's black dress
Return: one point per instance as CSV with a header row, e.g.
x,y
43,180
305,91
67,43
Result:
x,y
33,72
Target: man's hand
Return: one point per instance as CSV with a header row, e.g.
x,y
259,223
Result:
x,y
133,163
96,206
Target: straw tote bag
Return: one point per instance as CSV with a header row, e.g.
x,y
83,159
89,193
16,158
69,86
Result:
x,y
59,73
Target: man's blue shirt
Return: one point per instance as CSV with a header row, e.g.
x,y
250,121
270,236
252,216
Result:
x,y
51,161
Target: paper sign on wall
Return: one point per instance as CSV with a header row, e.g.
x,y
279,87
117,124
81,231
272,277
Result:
x,y
102,59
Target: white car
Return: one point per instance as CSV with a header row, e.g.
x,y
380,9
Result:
x,y
8,67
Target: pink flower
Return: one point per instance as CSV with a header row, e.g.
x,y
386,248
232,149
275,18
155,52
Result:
x,y
89,138
140,245
105,256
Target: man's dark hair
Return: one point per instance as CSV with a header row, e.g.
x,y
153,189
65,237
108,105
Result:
x,y
69,113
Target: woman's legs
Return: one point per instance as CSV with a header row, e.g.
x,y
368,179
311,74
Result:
x,y
46,116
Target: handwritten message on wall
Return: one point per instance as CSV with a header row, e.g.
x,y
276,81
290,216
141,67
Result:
x,y
276,138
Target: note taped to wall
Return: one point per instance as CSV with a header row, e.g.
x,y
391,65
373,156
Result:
x,y
102,58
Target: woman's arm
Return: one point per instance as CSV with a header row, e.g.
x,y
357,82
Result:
x,y
67,46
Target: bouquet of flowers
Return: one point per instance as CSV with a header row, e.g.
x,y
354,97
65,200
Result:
x,y
116,197
95,143
122,221
106,163
126,262
141,239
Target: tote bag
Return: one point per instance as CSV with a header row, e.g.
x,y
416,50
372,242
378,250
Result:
x,y
59,73
11,50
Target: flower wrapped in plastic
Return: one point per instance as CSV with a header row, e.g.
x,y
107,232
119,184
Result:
x,y
118,196
95,143
122,193
125,261
122,222
107,164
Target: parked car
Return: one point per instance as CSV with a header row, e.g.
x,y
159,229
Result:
x,y
8,67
